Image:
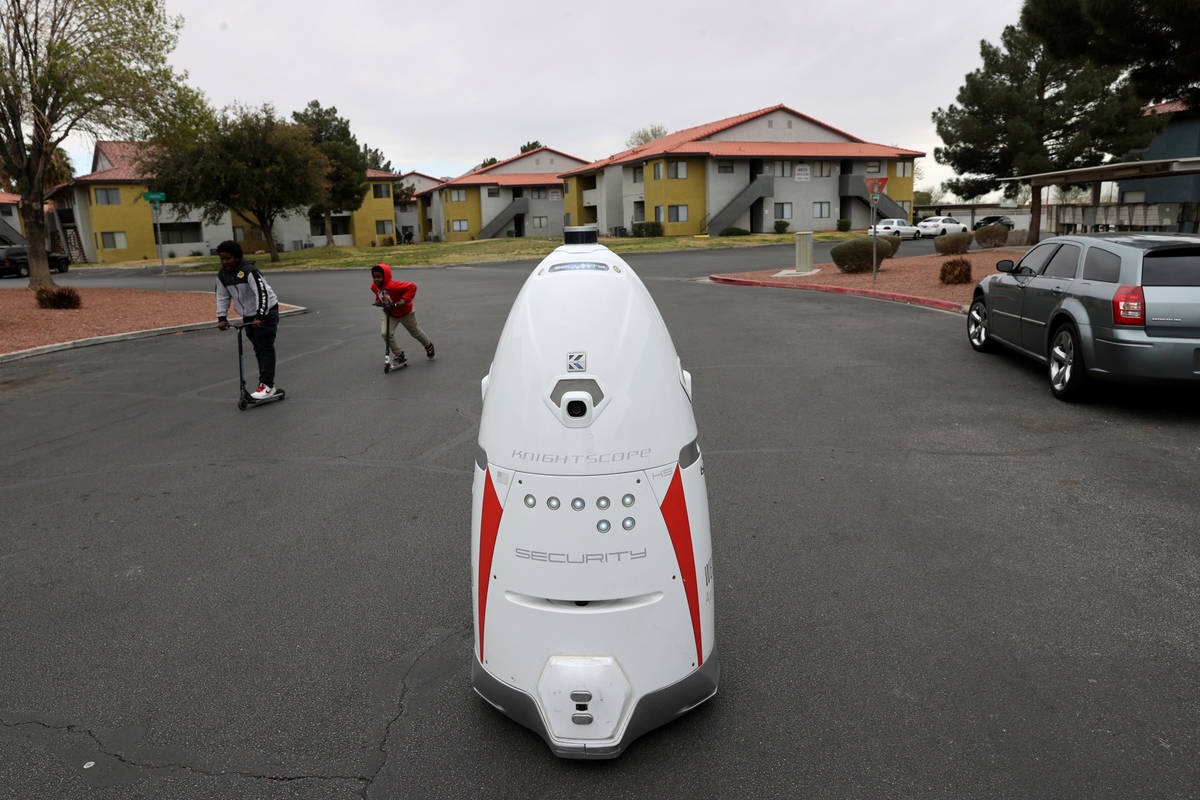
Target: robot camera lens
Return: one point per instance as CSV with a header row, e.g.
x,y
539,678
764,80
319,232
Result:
x,y
576,408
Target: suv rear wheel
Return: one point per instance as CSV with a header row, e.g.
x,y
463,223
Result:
x,y
1068,377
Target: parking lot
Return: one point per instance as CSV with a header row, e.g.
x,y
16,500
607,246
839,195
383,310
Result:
x,y
933,579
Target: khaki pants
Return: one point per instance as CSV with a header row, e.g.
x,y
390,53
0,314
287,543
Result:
x,y
409,321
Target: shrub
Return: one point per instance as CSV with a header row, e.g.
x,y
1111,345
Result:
x,y
196,253
781,225
732,231
388,241
952,244
843,224
647,228
956,270
991,235
58,297
170,254
855,255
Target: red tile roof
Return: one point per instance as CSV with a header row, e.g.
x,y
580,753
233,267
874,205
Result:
x,y
8,198
483,176
380,175
694,141
1165,108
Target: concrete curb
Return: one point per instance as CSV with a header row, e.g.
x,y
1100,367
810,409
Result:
x,y
928,302
119,337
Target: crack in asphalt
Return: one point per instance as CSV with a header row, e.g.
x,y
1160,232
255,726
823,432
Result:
x,y
150,765
401,700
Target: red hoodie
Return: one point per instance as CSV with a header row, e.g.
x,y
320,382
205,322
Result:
x,y
396,296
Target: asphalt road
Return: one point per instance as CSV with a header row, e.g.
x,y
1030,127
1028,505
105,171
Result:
x,y
934,580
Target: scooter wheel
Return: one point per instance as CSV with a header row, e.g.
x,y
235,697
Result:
x,y
387,368
242,404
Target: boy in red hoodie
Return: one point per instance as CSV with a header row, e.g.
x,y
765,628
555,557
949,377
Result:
x,y
396,298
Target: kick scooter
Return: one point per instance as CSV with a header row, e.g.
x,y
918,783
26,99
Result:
x,y
390,362
244,398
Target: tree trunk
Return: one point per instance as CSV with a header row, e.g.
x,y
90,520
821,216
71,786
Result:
x,y
329,229
1035,216
34,218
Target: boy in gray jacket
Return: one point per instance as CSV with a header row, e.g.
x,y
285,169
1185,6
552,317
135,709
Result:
x,y
238,281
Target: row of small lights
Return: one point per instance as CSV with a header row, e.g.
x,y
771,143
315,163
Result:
x,y
602,503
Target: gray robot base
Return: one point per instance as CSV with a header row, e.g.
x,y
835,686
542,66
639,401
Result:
x,y
651,711
245,400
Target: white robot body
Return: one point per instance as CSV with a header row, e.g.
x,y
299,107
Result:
x,y
590,550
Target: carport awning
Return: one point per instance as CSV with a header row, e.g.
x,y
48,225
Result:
x,y
1124,170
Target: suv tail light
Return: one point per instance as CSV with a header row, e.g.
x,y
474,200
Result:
x,y
1129,306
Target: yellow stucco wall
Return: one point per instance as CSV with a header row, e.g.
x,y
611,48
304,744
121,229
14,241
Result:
x,y
464,209
133,216
373,209
898,188
423,218
667,192
573,201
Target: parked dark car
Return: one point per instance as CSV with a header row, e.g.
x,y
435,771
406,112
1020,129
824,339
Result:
x,y
984,222
1122,306
14,260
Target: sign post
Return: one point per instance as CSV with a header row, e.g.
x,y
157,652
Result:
x,y
875,186
155,199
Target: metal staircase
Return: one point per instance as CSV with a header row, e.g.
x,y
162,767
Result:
x,y
854,186
518,206
762,186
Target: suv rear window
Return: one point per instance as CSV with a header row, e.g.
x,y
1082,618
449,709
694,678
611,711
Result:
x,y
1176,267
1101,265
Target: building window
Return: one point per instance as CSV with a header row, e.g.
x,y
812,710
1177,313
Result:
x,y
539,194
1133,197
822,169
872,167
566,187
493,191
339,225
639,210
405,208
381,190
458,195
677,169
783,169
658,170
460,225
638,174
676,213
783,211
538,222
567,219
113,240
383,227
239,233
178,232
907,206
108,197
770,123
658,213
725,167
904,169
821,209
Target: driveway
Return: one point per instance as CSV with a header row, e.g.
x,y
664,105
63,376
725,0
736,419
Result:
x,y
933,579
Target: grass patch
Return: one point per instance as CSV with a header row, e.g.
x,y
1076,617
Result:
x,y
434,254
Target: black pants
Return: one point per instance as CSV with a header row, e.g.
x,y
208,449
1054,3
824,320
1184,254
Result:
x,y
263,339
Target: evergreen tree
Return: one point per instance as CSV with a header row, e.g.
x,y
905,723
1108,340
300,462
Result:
x,y
1026,111
375,159
246,161
534,145
348,163
1155,40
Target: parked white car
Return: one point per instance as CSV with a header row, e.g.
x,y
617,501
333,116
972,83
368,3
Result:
x,y
894,227
940,226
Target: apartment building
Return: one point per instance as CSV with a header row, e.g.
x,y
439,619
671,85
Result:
x,y
408,214
745,171
520,196
103,217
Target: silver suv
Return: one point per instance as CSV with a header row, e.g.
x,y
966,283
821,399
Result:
x,y
1120,306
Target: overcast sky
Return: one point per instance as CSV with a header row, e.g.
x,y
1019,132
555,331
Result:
x,y
438,87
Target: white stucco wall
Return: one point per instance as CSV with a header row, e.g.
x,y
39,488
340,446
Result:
x,y
778,126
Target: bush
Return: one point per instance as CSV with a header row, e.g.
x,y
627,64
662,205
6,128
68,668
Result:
x,y
732,231
647,228
388,241
956,270
952,244
196,253
992,235
855,255
843,224
170,254
58,297
781,225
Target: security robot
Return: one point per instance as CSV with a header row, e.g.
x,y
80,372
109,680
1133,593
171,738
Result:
x,y
590,550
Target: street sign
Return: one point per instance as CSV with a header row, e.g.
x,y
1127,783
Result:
x,y
155,197
874,198
875,185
